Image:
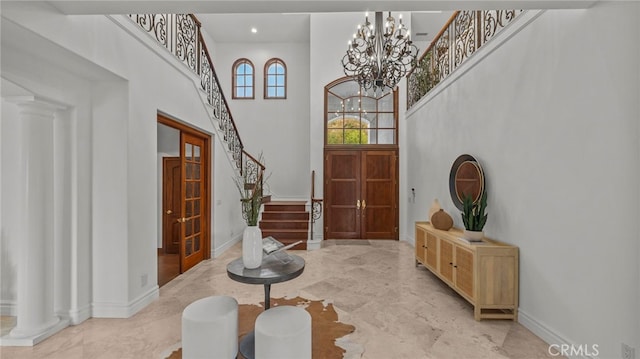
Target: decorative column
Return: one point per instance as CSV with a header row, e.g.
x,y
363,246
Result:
x,y
36,319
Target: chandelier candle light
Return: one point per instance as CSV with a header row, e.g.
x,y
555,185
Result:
x,y
379,57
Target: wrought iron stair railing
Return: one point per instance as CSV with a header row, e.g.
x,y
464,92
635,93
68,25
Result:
x,y
180,34
316,205
464,33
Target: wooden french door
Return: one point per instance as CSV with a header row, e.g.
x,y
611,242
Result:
x,y
192,210
361,194
192,201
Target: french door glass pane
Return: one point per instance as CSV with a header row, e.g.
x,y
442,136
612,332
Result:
x,y
188,151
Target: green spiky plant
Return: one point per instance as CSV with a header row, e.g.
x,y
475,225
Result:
x,y
473,215
251,199
251,185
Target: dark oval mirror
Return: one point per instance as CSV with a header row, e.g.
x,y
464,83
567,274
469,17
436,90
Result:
x,y
466,179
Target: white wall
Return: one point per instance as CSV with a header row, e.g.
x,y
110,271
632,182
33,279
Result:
x,y
329,34
228,222
72,201
552,115
10,131
117,140
277,128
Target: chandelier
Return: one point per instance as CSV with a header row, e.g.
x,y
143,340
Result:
x,y
379,57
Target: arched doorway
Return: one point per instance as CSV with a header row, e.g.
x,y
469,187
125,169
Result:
x,y
360,162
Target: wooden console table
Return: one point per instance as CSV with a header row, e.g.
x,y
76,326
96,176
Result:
x,y
485,274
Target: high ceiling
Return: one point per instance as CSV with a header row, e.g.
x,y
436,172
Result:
x,y
300,6
288,20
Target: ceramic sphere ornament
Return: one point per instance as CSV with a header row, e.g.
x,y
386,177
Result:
x,y
442,220
435,207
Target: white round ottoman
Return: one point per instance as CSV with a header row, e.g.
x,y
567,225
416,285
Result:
x,y
283,332
210,328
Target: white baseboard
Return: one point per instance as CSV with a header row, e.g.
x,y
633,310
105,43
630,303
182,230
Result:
x,y
545,333
8,308
79,315
30,340
410,240
216,252
124,310
315,243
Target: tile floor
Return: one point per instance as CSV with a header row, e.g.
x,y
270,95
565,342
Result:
x,y
399,311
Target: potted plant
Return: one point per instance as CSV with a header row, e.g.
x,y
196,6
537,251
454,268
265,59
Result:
x,y
474,217
251,188
251,199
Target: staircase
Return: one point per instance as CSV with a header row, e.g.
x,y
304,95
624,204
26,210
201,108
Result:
x,y
286,221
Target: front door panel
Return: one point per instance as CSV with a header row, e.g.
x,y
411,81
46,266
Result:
x,y
361,194
342,194
379,195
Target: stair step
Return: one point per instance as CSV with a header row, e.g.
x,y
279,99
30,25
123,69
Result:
x,y
285,206
286,234
284,224
289,216
286,221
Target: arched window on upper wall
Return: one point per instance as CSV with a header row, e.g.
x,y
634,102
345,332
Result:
x,y
243,79
275,79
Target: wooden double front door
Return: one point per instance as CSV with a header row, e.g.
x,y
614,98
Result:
x,y
361,194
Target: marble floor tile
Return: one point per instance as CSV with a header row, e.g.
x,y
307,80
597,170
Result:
x,y
400,310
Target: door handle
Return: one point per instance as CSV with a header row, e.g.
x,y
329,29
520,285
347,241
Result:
x,y
181,220
364,204
169,211
358,204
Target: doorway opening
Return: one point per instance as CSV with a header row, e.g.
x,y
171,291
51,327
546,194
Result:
x,y
360,162
183,198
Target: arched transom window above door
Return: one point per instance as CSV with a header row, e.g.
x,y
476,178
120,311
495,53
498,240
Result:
x,y
355,117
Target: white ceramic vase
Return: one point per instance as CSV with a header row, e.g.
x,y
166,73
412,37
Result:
x,y
473,235
252,247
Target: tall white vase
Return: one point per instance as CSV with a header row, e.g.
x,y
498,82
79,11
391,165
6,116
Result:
x,y
252,247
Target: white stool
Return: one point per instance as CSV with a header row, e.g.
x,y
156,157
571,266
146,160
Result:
x,y
283,332
210,328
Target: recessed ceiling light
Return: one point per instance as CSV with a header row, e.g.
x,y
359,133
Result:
x,y
254,30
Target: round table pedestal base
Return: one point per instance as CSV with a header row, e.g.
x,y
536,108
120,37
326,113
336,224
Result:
x,y
248,345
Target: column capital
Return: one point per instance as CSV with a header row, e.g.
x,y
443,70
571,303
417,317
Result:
x,y
33,105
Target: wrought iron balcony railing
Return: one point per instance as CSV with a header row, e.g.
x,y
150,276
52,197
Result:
x,y
180,34
464,33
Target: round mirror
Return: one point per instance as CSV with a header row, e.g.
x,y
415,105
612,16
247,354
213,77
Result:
x,y
466,179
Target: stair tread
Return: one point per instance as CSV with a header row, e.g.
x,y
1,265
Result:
x,y
286,203
284,220
285,212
